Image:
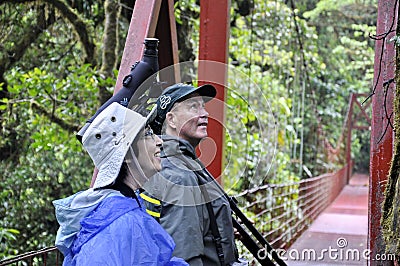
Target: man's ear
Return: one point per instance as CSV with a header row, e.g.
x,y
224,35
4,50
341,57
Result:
x,y
170,120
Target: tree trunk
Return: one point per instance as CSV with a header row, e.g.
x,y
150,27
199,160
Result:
x,y
82,29
12,148
10,57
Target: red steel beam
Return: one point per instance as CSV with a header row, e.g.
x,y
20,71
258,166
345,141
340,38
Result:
x,y
168,46
213,58
363,108
352,119
348,137
381,135
143,24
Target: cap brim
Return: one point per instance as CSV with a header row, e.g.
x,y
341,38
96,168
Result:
x,y
207,90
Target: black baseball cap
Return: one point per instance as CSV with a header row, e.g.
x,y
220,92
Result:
x,y
173,94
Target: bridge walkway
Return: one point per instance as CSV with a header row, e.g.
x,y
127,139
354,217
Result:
x,y
339,234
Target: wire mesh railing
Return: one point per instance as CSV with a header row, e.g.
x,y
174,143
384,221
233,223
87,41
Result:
x,y
48,256
282,212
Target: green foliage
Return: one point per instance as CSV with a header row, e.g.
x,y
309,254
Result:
x,y
6,236
299,68
52,163
360,148
305,69
327,6
47,95
188,26
29,190
59,98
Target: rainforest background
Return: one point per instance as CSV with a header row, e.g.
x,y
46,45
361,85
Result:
x,y
59,62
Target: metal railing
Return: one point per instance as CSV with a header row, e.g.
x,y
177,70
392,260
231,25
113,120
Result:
x,y
43,257
282,213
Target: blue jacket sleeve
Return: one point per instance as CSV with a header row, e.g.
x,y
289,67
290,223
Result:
x,y
135,238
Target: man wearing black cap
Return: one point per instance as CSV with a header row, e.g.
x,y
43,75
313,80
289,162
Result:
x,y
184,196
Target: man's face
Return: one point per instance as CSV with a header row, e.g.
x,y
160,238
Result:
x,y
190,119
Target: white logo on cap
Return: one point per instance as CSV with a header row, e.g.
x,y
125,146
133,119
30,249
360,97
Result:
x,y
164,101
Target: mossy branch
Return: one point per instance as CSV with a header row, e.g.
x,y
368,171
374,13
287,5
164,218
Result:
x,y
52,117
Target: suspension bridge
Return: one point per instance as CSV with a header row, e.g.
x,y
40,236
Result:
x,y
292,216
338,210
302,219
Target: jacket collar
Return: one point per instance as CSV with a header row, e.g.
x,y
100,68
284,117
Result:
x,y
173,146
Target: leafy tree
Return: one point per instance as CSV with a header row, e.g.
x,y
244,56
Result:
x,y
50,86
51,162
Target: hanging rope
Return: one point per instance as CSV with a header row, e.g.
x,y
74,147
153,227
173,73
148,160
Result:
x,y
305,81
249,74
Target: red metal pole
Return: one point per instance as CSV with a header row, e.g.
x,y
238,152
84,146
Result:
x,y
381,133
143,24
348,139
213,56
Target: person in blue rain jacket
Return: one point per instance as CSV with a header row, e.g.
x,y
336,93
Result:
x,y
108,224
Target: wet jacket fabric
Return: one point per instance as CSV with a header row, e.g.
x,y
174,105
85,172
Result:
x,y
180,205
103,227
